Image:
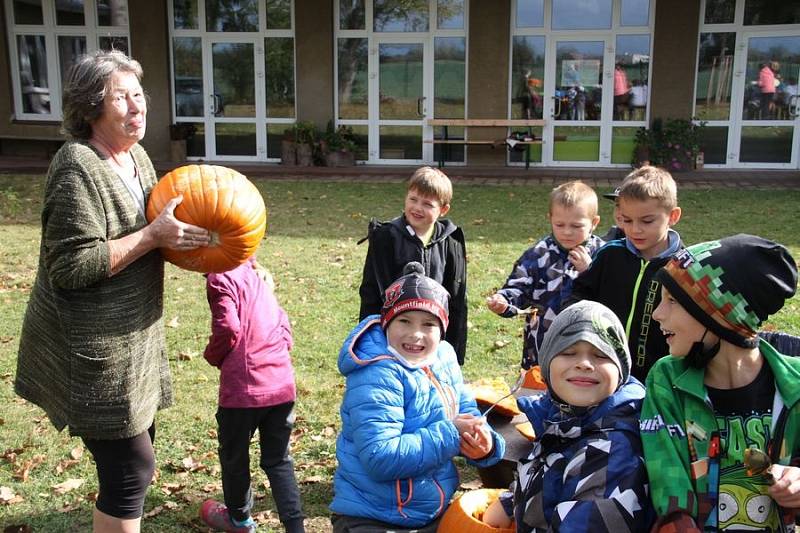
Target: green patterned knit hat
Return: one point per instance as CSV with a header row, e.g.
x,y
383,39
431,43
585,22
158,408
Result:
x,y
731,285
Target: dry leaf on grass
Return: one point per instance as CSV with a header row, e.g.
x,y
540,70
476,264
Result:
x,y
311,479
173,323
23,472
7,496
158,510
186,355
68,485
76,452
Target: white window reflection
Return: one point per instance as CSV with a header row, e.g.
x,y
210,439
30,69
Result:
x,y
581,14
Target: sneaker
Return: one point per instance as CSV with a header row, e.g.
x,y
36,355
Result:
x,y
216,515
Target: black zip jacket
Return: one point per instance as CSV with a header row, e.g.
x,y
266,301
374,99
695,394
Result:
x,y
626,284
392,246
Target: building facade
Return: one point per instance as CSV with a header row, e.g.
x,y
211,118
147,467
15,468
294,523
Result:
x,y
239,73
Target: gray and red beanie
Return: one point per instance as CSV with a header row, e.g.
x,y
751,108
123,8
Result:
x,y
731,285
414,291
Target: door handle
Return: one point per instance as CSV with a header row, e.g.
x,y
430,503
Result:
x,y
420,109
793,106
556,107
215,104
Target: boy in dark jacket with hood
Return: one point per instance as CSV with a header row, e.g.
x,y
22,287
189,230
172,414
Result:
x,y
420,235
622,274
585,472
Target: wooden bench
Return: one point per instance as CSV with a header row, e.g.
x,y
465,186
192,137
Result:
x,y
483,123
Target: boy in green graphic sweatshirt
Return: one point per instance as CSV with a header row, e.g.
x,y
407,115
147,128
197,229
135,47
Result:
x,y
721,418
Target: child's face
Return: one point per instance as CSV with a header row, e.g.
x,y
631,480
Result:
x,y
422,211
679,327
646,224
572,225
582,375
414,334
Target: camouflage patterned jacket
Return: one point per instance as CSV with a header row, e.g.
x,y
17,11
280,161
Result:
x,y
684,448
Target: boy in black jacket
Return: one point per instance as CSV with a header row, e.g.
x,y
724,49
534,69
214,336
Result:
x,y
622,273
419,234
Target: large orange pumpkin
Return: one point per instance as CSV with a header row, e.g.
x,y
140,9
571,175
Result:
x,y
462,515
220,200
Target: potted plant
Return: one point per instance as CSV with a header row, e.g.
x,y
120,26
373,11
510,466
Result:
x,y
305,136
179,133
288,147
673,144
339,146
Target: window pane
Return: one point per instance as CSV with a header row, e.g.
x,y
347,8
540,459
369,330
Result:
x,y
453,153
715,76
400,142
351,14
279,57
234,79
361,134
196,144
527,76
28,12
579,71
530,13
581,15
275,135
622,145
714,144
112,12
69,50
635,12
720,11
185,14
450,14
235,139
448,77
232,16
631,84
771,12
353,65
114,43
401,15
766,144
579,144
532,151
769,60
33,74
279,14
188,70
400,81
69,13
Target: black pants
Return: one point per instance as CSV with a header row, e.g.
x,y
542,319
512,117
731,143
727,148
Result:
x,y
124,471
357,524
236,429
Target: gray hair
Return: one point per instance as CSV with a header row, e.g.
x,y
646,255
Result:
x,y
85,89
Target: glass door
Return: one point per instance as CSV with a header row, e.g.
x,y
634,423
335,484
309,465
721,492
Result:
x,y
579,102
766,127
234,102
400,99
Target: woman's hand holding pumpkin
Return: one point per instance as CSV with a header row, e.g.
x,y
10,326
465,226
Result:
x,y
169,232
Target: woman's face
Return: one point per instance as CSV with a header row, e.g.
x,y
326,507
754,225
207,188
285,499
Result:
x,y
124,109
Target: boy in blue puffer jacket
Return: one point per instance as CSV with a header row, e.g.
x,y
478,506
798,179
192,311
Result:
x,y
585,472
405,415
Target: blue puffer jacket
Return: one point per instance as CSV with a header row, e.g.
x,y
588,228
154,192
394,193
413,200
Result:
x,y
397,442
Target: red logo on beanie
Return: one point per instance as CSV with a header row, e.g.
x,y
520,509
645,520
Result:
x,y
394,292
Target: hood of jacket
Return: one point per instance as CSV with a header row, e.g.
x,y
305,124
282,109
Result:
x,y
618,411
443,228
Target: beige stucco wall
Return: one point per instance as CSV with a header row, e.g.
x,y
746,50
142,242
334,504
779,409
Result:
x,y
150,46
674,57
487,87
314,60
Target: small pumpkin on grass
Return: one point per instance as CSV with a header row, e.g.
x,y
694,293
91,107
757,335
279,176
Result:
x,y
220,200
465,513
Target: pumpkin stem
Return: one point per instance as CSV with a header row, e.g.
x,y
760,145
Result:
x,y
214,239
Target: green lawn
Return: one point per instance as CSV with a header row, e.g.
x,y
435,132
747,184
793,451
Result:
x,y
311,249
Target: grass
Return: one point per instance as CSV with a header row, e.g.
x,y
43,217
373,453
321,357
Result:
x,y
311,250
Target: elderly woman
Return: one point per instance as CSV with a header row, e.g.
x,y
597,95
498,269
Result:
x,y
92,351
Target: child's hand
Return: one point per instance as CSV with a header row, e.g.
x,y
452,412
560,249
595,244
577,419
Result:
x,y
497,303
496,516
476,445
580,258
466,423
786,489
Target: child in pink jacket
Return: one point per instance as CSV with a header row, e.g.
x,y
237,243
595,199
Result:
x,y
250,343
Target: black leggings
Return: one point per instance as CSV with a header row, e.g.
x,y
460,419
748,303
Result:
x,y
124,471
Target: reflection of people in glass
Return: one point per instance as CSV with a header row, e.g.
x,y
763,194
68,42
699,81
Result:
x,y
621,92
531,100
767,84
789,97
638,100
572,78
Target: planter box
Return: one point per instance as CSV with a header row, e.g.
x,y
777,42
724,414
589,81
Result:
x,y
340,159
288,153
305,155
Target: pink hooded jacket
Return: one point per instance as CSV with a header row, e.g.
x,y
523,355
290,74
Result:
x,y
250,340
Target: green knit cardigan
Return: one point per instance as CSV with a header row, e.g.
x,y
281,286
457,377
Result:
x,y
92,351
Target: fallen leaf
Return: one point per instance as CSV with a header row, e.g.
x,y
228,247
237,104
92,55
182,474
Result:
x,y
7,496
311,479
172,488
76,452
501,343
173,323
68,485
23,472
186,355
62,466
